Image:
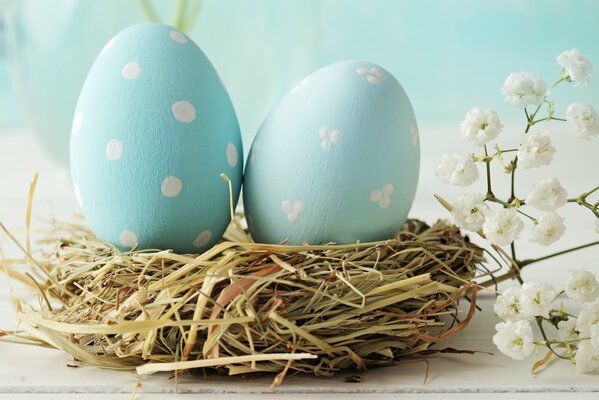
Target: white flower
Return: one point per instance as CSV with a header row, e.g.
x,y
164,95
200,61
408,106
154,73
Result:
x,y
514,339
536,150
468,211
586,358
575,67
595,336
547,195
523,88
457,169
481,126
566,330
584,120
508,306
581,286
503,226
548,229
587,317
536,299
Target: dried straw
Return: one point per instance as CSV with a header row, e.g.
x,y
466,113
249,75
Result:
x,y
244,307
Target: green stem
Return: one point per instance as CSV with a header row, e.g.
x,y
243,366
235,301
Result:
x,y
547,341
149,11
559,253
488,169
177,20
192,16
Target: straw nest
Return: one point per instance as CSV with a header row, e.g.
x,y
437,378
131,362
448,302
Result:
x,y
243,307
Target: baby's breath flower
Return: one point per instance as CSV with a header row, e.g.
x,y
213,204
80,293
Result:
x,y
587,317
508,306
547,195
536,150
468,211
548,229
457,169
524,88
503,226
584,120
566,330
575,67
536,299
480,126
514,339
582,286
586,358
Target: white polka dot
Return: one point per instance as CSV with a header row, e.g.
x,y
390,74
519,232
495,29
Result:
x,y
298,207
131,70
184,111
374,80
202,239
385,201
326,145
232,155
108,45
376,195
387,190
78,195
323,132
376,72
414,132
255,149
77,121
114,150
286,206
171,186
361,71
128,239
178,37
293,218
336,136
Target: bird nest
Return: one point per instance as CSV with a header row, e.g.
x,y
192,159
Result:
x,y
244,307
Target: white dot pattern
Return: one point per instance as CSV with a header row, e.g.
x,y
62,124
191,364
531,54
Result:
x,y
255,149
77,121
414,133
373,75
328,139
131,70
114,150
232,155
184,111
382,197
293,211
171,186
178,37
128,239
202,239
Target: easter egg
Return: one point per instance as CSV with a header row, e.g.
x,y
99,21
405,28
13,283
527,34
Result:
x,y
153,130
336,160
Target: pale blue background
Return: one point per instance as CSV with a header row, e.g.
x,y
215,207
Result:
x,y
448,55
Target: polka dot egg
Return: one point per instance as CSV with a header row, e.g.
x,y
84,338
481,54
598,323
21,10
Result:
x,y
153,130
336,160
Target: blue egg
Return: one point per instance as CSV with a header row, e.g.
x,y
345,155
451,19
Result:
x,y
336,160
153,130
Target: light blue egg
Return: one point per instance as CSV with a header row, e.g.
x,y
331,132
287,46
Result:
x,y
153,130
336,160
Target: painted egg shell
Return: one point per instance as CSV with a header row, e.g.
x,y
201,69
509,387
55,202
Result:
x,y
153,130
336,160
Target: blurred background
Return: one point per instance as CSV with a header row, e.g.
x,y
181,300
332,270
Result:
x,y
448,55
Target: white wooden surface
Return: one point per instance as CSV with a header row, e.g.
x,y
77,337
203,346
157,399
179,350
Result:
x,y
35,373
